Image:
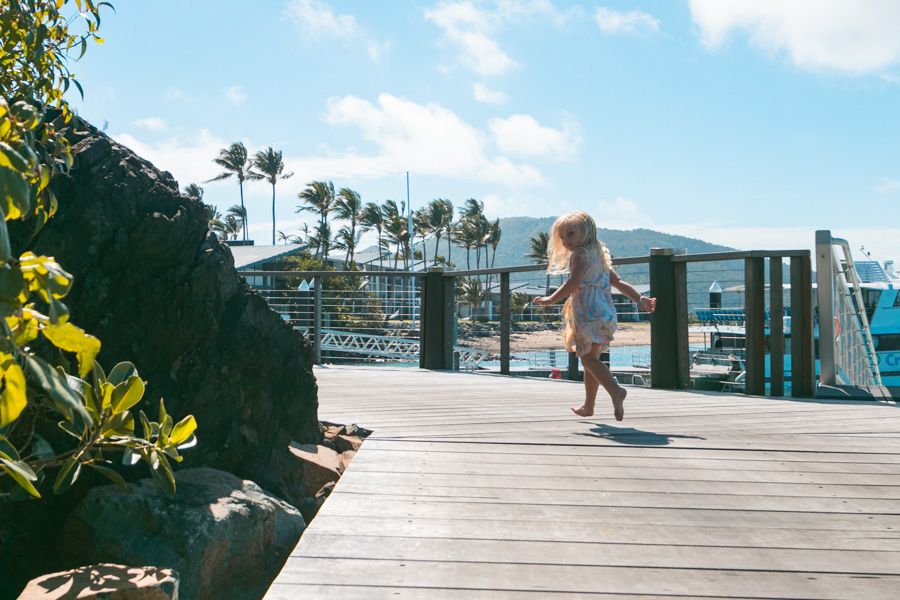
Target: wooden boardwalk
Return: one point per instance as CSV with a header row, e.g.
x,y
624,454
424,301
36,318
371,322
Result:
x,y
482,486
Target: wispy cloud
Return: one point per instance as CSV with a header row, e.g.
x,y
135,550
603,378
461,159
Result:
x,y
887,185
858,36
316,21
175,94
236,95
151,123
472,28
522,136
632,22
486,95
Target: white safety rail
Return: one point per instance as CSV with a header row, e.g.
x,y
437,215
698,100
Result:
x,y
404,349
846,352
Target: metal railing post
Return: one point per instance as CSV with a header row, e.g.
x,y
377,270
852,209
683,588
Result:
x,y
669,360
317,319
505,323
432,353
755,326
803,367
824,296
776,325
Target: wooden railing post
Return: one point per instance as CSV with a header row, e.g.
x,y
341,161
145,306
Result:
x,y
803,365
755,326
669,360
317,319
450,323
432,345
776,326
505,323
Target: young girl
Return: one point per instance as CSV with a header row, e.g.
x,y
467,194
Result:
x,y
589,316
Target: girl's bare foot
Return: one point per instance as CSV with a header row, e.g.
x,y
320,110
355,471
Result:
x,y
583,411
618,400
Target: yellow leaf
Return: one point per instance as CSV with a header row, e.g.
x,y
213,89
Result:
x,y
183,430
13,399
72,338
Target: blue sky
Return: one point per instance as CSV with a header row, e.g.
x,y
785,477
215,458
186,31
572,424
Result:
x,y
744,122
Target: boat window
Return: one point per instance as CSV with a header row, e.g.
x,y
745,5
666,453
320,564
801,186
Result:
x,y
886,342
870,299
897,299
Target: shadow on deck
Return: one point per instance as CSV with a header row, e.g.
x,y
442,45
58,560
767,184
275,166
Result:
x,y
488,487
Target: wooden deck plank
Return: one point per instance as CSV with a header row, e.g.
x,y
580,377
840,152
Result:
x,y
477,486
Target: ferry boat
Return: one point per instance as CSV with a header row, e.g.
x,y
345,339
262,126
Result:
x,y
724,328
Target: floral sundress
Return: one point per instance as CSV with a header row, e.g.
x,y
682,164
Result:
x,y
589,315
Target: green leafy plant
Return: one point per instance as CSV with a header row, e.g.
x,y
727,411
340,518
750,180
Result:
x,y
38,40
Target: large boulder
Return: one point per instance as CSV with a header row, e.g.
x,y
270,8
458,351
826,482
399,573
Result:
x,y
161,291
226,538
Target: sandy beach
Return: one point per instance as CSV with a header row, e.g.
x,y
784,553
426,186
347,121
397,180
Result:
x,y
628,334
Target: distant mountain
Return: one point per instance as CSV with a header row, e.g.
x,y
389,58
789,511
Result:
x,y
516,231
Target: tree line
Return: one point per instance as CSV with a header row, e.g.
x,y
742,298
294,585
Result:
x,y
466,228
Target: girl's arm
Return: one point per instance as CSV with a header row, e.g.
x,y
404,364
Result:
x,y
577,269
644,303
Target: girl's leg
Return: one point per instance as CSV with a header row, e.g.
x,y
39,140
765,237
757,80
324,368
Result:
x,y
601,373
591,385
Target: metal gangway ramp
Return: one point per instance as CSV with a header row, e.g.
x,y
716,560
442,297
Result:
x,y
487,487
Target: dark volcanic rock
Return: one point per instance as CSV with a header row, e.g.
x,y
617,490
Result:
x,y
160,290
226,538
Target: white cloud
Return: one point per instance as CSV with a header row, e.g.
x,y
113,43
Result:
x,y
316,20
486,95
619,213
236,95
425,138
151,123
472,27
189,159
887,185
851,36
469,28
629,23
523,136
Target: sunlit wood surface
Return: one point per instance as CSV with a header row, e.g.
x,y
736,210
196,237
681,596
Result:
x,y
483,486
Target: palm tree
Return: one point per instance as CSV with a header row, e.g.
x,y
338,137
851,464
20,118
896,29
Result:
x,y
349,207
471,292
422,227
319,198
436,217
194,191
269,166
395,227
539,246
347,240
371,217
216,221
235,162
320,238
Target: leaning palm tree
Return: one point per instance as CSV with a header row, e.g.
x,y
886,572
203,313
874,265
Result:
x,y
422,227
321,239
267,164
349,207
347,240
319,198
539,246
370,218
447,225
395,228
235,162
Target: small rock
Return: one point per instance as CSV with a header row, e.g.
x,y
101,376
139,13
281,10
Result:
x,y
105,580
342,443
318,466
346,457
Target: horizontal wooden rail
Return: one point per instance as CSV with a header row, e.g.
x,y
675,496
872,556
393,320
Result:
x,y
738,255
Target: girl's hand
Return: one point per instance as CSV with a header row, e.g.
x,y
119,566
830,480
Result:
x,y
541,301
647,304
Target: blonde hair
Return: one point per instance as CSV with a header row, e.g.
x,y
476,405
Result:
x,y
559,255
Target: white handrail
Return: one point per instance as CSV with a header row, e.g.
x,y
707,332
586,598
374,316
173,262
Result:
x,y
846,351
